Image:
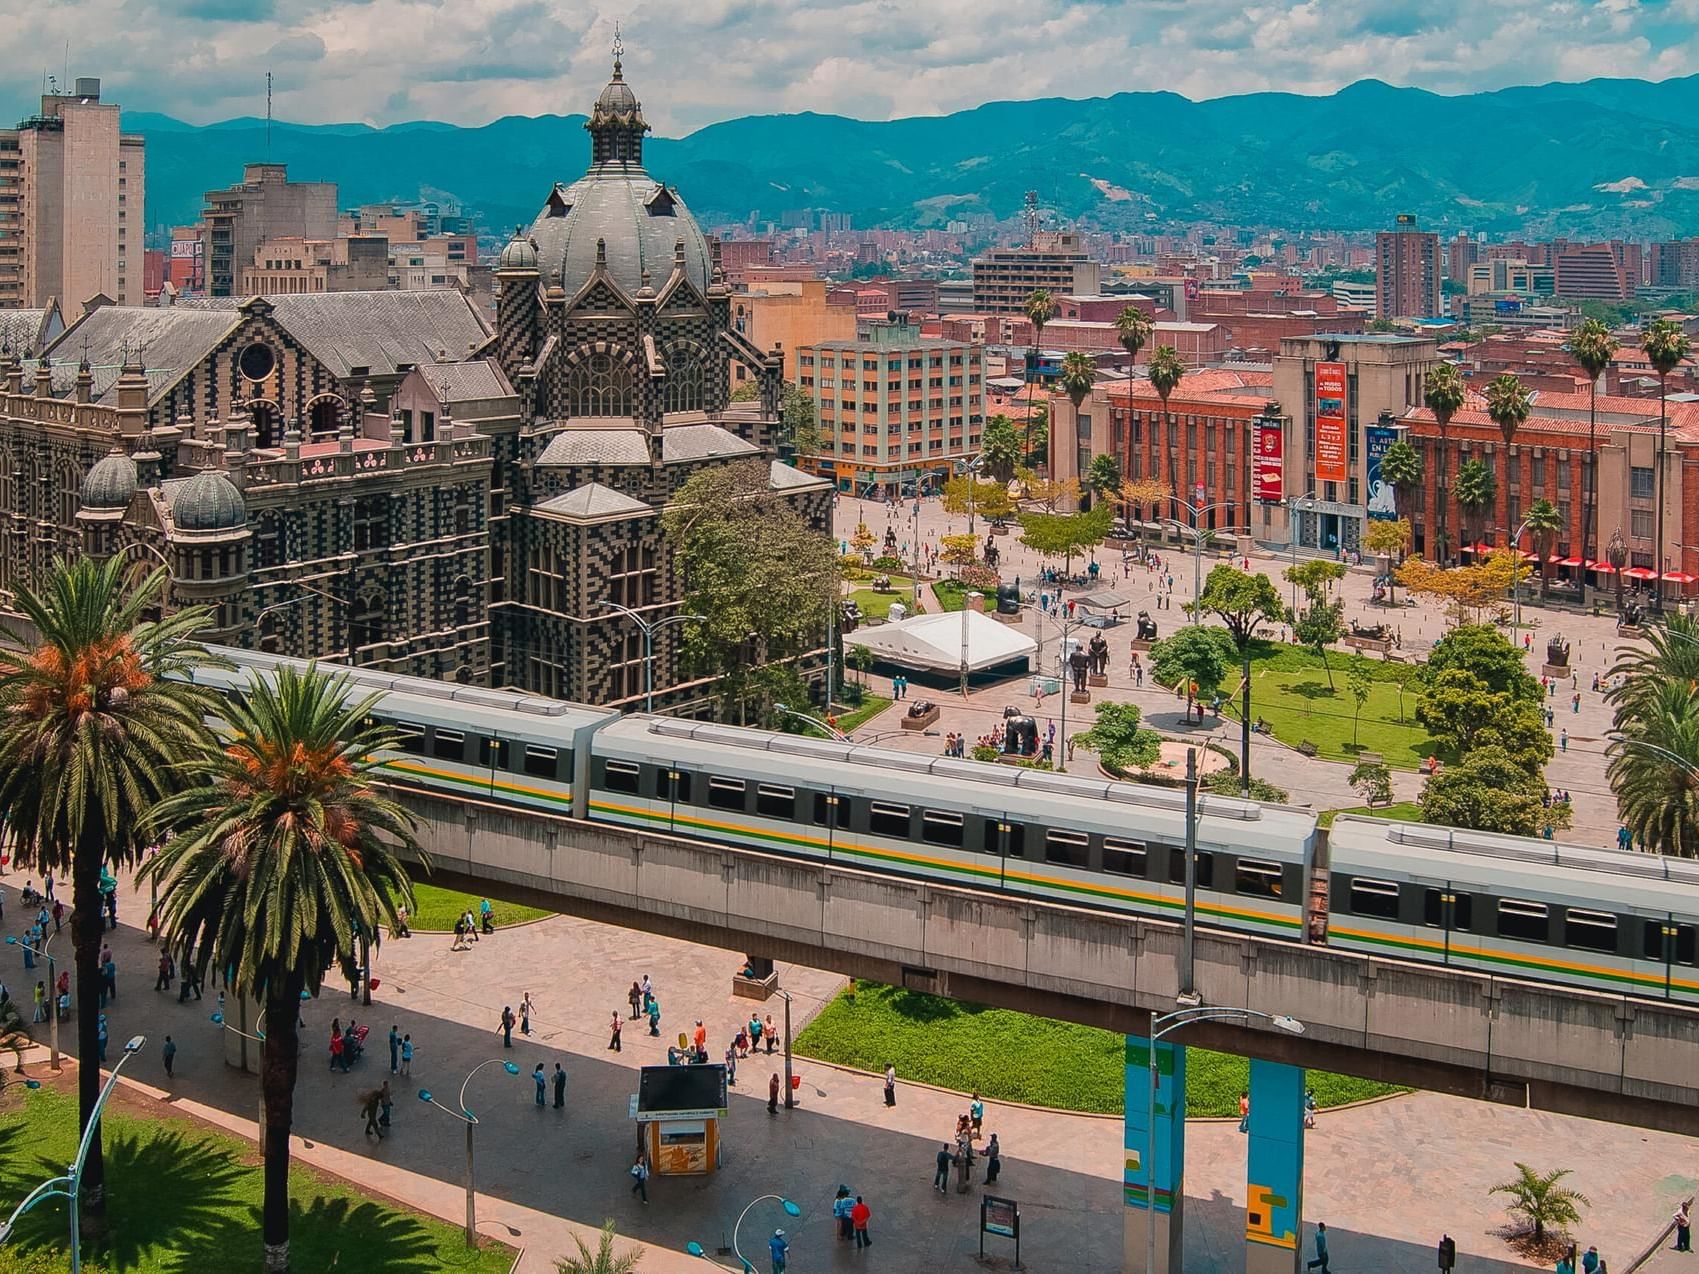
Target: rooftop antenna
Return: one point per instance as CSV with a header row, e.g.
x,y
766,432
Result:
x,y
268,116
1030,216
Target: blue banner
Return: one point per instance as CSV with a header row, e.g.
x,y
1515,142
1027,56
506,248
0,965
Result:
x,y
1382,499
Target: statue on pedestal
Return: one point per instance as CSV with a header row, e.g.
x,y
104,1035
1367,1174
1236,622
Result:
x,y
1147,626
1020,733
1078,664
1008,599
1099,653
1557,652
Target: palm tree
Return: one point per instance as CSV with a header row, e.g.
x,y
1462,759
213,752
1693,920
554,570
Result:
x,y
282,857
1040,308
1445,396
1665,346
1133,327
1654,758
999,448
1103,478
1509,404
1592,347
1476,489
1166,371
1671,655
1539,1199
1402,467
1543,520
96,716
602,1260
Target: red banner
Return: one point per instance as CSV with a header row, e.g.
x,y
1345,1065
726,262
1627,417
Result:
x,y
1331,445
1270,480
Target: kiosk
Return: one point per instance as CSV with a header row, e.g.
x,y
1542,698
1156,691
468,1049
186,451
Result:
x,y
678,1110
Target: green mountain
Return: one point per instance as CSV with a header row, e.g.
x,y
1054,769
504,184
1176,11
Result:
x,y
1602,157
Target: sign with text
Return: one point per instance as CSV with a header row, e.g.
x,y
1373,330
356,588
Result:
x,y
1383,500
1331,444
1270,473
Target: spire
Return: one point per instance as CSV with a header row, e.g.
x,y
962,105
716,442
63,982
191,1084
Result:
x,y
616,121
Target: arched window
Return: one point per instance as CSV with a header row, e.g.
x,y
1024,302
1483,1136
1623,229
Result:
x,y
365,620
462,601
686,367
264,418
324,417
600,385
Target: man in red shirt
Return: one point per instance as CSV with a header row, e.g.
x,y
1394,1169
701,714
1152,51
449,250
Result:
x,y
701,1038
858,1219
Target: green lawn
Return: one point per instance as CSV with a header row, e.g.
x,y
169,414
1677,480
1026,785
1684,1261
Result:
x,y
1011,1056
438,907
871,706
878,605
1397,812
182,1197
950,594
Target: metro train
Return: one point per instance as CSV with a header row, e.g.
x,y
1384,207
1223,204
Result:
x,y
1519,907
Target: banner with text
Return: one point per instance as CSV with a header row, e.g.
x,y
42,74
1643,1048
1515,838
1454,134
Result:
x,y
1383,500
1331,446
1270,476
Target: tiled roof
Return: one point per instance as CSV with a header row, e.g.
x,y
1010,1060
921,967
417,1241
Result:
x,y
1203,384
23,332
170,342
620,446
702,442
594,502
466,382
785,478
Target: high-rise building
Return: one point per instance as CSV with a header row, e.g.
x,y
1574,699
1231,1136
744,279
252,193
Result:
x,y
1056,263
1602,271
1460,253
71,195
1406,271
264,205
1675,264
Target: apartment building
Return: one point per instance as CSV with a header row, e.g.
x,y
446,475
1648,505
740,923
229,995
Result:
x,y
1004,277
264,205
1406,271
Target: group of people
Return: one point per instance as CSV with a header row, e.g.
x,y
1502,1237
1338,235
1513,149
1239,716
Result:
x,y
960,1153
467,930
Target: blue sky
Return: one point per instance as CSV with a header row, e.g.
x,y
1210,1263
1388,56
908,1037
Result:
x,y
696,61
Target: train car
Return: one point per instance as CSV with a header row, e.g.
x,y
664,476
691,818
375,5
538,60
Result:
x,y
1092,842
1606,919
494,745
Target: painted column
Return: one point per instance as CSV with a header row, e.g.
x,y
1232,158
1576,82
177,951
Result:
x,y
1274,1208
1170,1157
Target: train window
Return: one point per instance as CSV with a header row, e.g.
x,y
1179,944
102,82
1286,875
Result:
x,y
1591,930
410,737
775,801
1071,849
672,785
1380,898
449,744
838,806
1462,909
541,763
727,794
1123,857
1686,949
1525,920
1257,878
493,753
1205,868
1005,838
886,819
621,776
941,827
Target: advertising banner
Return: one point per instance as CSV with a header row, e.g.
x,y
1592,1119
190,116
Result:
x,y
1332,450
1269,482
1382,499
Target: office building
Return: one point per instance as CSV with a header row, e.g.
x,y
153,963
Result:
x,y
1004,277
1597,271
1406,272
264,205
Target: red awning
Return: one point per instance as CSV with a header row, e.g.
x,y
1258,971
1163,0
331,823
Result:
x,y
1640,572
1530,557
1603,568
1570,561
1478,548
1680,577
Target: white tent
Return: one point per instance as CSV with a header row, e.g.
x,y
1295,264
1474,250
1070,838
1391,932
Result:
x,y
935,642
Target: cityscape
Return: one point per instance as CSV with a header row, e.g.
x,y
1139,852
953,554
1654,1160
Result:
x,y
796,604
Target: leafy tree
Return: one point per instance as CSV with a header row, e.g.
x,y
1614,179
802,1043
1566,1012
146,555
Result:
x,y
603,1260
1133,327
984,497
1142,494
1390,540
1103,478
1000,447
1359,684
1318,625
1592,347
1485,654
861,659
1444,394
797,421
1665,346
1040,308
1382,326
1051,495
1315,575
748,391
1467,590
96,717
1455,707
282,855
1227,783
1402,467
1064,534
1117,737
1487,791
960,550
1477,490
1519,731
863,541
760,691
1243,601
1201,655
1539,1200
1544,522
1373,782
1078,378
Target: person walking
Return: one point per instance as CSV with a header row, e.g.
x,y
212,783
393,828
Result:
x,y
525,1011
773,1094
542,1082
635,997
613,1040
169,1054
779,1246
506,1027
560,1087
890,1084
859,1215
1563,740
1683,1229
394,1048
976,1113
1321,1249
163,981
941,1177
771,1034
407,1054
1244,1112
993,1160
369,1109
640,1178
754,1033
386,1104
654,1018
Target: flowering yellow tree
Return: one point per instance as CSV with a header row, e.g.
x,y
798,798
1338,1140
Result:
x,y
1465,590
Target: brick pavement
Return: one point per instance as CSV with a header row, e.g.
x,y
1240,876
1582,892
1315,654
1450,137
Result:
x,y
1387,1177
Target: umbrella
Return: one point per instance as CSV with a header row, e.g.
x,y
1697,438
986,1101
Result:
x,y
1640,572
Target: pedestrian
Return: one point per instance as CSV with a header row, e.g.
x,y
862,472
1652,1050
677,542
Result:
x,y
731,1063
369,1104
976,1113
407,1054
890,1084
386,1104
1309,1108
336,1049
699,1039
109,977
635,996
859,1215
771,1034
1563,740
459,943
654,1019
778,1245
1575,702
100,1035
941,1177
1321,1249
487,914
40,1001
400,929
613,1040
640,1178
1683,1229
506,1027
58,909
525,1011
169,1054
1590,1261
542,1082
394,1047
841,1212
1244,1112
993,1159
773,1094
560,1087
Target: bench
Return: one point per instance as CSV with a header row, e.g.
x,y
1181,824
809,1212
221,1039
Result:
x,y
1370,758
1306,748
1428,767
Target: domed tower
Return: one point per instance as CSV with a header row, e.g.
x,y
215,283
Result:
x,y
616,121
518,304
209,548
105,498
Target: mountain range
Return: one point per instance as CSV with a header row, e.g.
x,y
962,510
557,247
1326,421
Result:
x,y
1596,158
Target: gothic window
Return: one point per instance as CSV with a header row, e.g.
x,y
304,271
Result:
x,y
599,385
70,494
324,418
268,542
271,642
365,619
264,418
462,601
683,391
371,523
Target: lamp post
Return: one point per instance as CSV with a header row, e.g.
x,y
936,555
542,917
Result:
x,y
44,950
1190,919
696,1249
69,1186
1616,553
649,628
790,1087
1515,582
466,1117
1197,511
1064,626
968,603
971,469
1161,1026
1293,504
831,730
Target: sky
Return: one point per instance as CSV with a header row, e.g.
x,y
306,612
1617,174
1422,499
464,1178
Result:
x,y
697,61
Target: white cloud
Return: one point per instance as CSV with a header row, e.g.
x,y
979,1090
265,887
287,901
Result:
x,y
694,62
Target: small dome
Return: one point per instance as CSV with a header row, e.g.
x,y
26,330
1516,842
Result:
x,y
519,254
111,483
208,502
617,98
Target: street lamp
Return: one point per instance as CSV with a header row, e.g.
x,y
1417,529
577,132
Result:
x,y
1065,626
831,730
968,603
971,469
1197,511
696,1249
466,1117
1515,582
1293,504
69,1186
649,629
53,988
1161,1026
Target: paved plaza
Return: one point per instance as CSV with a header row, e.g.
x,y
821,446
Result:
x,y
1387,1177
1312,782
